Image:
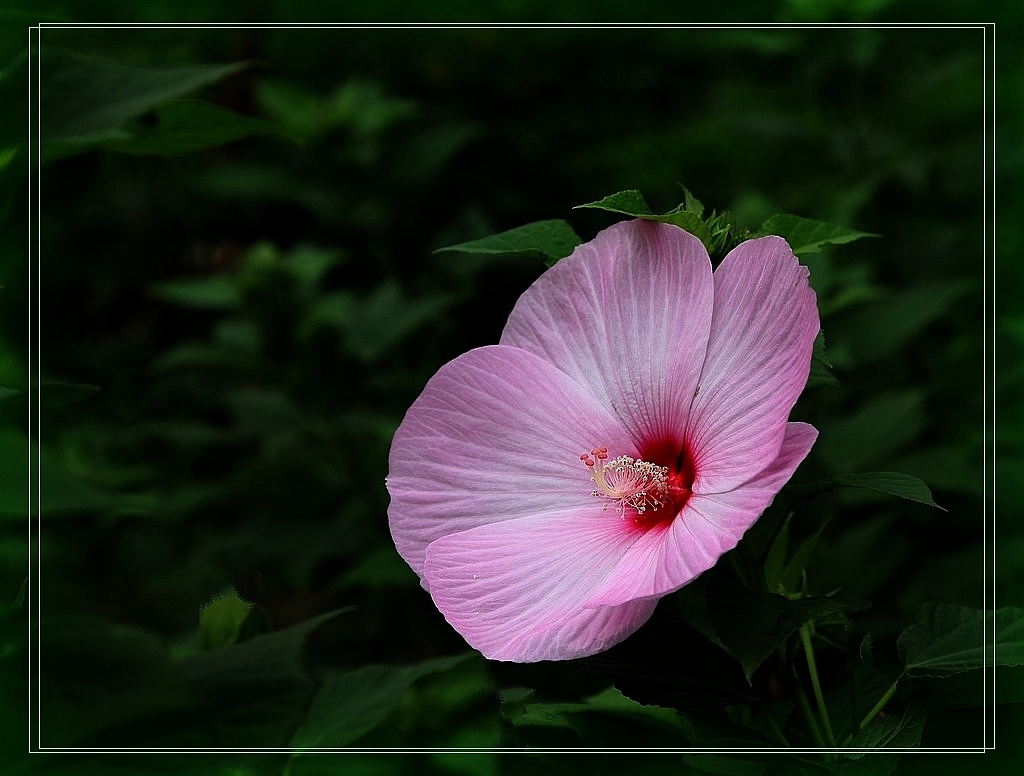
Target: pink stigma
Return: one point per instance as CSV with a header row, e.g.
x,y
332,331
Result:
x,y
628,482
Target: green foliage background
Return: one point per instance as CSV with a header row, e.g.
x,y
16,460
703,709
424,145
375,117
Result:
x,y
238,299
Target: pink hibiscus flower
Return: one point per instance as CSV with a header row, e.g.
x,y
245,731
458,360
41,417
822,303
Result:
x,y
629,428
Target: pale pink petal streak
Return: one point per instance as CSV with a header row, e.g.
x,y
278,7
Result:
x,y
627,315
758,358
495,435
670,556
516,590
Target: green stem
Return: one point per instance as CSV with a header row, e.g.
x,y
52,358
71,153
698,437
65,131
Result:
x,y
875,710
775,728
805,636
855,725
805,709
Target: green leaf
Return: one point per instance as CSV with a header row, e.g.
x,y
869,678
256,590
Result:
x,y
550,240
751,624
691,203
806,235
221,619
947,639
608,718
891,483
214,292
977,687
821,367
901,731
609,701
792,574
783,571
351,704
186,126
632,203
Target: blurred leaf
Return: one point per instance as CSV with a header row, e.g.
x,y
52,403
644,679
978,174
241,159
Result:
x,y
886,423
97,676
59,490
184,126
214,292
293,106
806,235
381,568
266,182
431,150
221,619
550,240
386,317
947,639
901,731
53,394
264,412
366,108
883,327
308,264
351,704
891,483
952,466
254,693
372,325
751,624
82,96
58,394
200,355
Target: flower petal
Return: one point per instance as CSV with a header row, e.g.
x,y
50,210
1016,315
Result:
x,y
758,358
516,590
627,315
674,554
496,434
